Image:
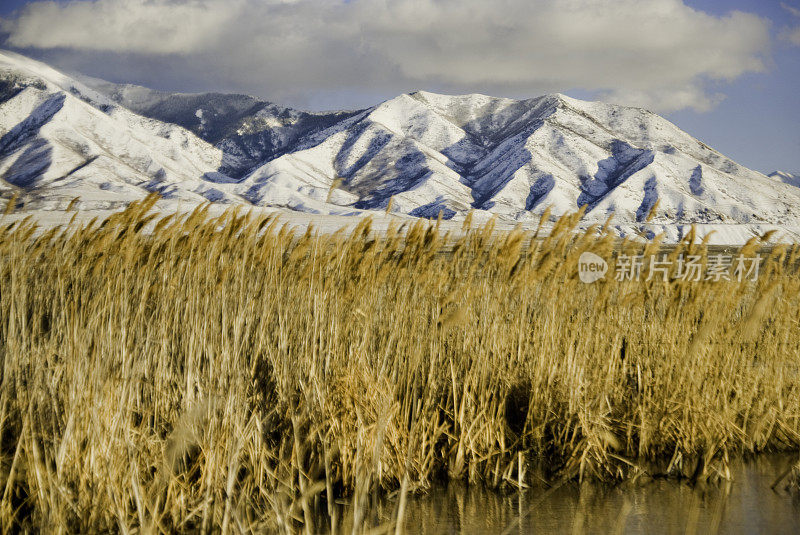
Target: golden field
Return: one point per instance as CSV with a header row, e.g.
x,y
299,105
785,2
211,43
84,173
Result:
x,y
227,375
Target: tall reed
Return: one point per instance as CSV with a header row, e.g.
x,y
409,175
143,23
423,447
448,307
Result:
x,y
227,374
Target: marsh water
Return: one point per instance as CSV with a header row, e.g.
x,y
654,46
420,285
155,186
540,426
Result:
x,y
744,505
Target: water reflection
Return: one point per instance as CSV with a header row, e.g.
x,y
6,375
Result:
x,y
745,505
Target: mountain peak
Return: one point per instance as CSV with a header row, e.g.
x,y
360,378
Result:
x,y
792,179
444,99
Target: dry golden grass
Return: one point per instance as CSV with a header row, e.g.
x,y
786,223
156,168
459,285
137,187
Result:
x,y
227,375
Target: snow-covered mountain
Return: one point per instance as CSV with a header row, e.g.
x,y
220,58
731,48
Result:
x,y
792,179
424,153
60,139
248,130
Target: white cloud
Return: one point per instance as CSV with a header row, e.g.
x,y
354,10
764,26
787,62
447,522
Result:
x,y
793,10
692,96
793,34
658,53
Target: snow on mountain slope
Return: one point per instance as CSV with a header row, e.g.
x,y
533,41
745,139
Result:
x,y
393,151
621,160
419,154
61,139
793,179
434,153
248,130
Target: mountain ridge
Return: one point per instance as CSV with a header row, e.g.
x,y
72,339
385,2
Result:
x,y
792,179
419,154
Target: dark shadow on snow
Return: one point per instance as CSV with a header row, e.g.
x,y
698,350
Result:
x,y
539,191
38,156
696,181
624,162
649,200
30,165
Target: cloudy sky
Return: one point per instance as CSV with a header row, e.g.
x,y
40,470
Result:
x,y
727,71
